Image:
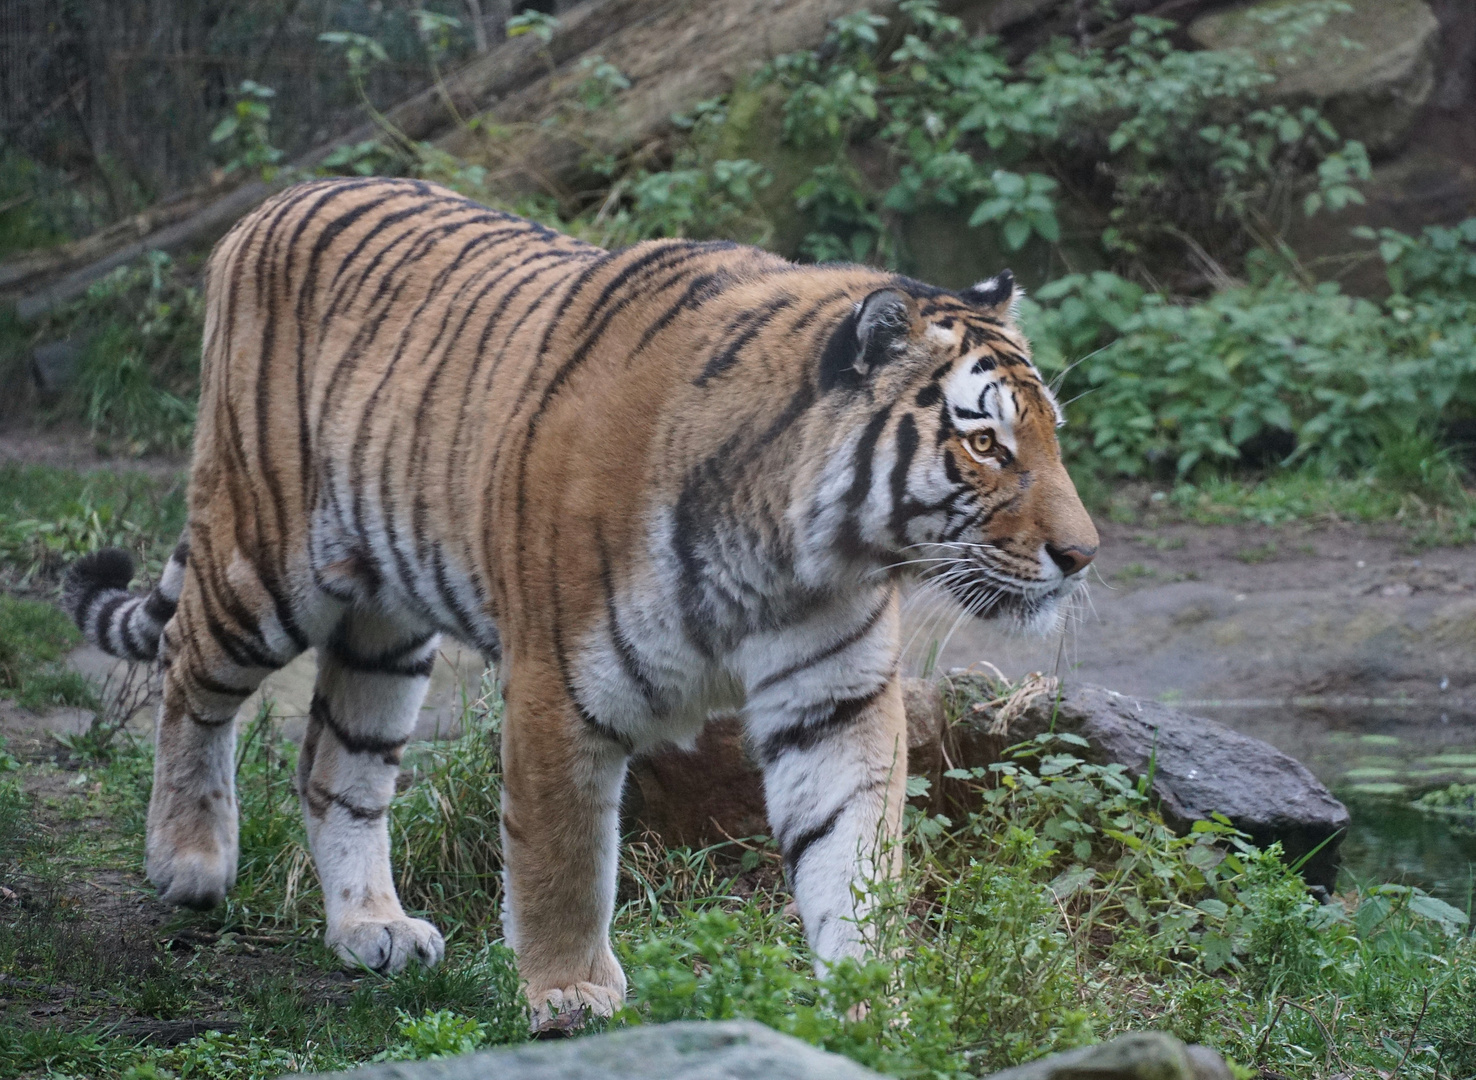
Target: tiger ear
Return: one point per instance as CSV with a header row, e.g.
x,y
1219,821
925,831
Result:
x,y
999,296
866,338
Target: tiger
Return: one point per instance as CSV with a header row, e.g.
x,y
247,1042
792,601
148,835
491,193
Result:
x,y
647,484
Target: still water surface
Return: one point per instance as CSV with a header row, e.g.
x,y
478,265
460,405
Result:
x,y
1378,760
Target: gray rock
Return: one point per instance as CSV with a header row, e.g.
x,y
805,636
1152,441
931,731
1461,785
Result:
x,y
1141,1055
1372,88
690,1050
54,365
1201,767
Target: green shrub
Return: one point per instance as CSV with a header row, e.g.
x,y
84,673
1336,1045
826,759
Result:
x,y
1347,382
139,372
1063,910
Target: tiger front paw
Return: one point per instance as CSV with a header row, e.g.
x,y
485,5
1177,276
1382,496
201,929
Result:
x,y
387,945
560,1010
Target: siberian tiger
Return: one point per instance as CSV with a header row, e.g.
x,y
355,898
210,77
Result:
x,y
648,483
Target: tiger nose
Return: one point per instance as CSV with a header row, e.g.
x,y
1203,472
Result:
x,y
1071,560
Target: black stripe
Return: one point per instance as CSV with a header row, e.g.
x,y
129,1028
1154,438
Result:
x,y
902,505
561,655
320,798
865,452
218,601
838,360
795,850
83,601
103,621
159,607
755,322
392,661
701,289
354,744
839,646
688,529
130,641
630,663
215,686
811,730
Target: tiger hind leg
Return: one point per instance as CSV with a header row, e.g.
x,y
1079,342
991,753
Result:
x,y
209,670
372,678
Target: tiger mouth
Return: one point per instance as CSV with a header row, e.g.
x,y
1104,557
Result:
x,y
1031,607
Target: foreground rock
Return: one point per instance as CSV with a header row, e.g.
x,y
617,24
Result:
x,y
745,1050
1199,768
690,1050
1143,1055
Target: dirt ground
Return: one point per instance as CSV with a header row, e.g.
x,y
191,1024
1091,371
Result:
x,y
1190,613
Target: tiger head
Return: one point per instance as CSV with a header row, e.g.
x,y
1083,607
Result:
x,y
966,487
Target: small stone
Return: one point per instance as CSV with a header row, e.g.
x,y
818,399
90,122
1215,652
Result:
x,y
54,364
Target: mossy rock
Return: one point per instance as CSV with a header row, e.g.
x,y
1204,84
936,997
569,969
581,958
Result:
x,y
939,246
1373,67
754,129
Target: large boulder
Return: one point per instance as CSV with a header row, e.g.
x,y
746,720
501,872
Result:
x,y
745,1050
1373,67
1199,768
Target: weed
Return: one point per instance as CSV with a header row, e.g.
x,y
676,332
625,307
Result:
x,y
139,372
1134,571
34,638
49,516
1257,553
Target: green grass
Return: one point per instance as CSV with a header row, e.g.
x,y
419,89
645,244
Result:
x,y
1307,495
50,516
34,638
1051,907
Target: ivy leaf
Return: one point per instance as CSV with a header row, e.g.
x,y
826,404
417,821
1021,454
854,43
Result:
x,y
1016,233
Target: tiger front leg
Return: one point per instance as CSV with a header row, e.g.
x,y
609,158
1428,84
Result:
x,y
372,679
560,850
835,780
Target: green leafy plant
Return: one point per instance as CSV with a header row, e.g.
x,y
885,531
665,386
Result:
x,y
138,374
435,1035
602,81
1170,386
538,23
245,131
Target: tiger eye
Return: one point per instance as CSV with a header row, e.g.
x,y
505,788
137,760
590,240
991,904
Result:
x,y
982,443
